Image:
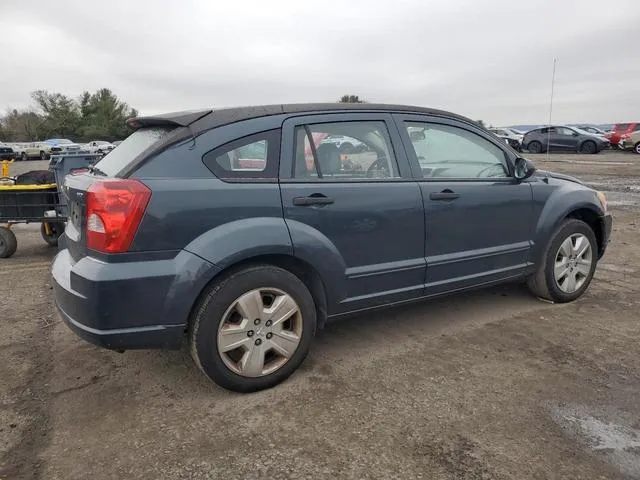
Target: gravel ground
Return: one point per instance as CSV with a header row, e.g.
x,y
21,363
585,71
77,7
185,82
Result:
x,y
487,385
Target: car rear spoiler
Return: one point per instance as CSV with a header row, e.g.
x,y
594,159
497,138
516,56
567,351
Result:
x,y
176,119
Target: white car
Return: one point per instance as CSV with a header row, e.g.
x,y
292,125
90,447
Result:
x,y
512,138
98,146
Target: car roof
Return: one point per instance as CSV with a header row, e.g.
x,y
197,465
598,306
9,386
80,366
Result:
x,y
202,120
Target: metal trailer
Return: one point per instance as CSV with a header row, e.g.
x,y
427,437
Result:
x,y
45,203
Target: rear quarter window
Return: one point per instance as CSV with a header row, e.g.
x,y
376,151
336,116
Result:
x,y
136,143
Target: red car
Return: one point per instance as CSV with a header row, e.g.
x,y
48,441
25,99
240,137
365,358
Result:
x,y
620,129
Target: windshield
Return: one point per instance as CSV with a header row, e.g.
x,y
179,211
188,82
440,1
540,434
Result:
x,y
129,149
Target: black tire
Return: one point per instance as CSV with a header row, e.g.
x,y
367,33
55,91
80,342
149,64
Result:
x,y
8,242
56,228
210,310
636,148
43,156
542,284
534,147
588,147
24,157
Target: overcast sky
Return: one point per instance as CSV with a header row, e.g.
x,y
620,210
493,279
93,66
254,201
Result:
x,y
487,59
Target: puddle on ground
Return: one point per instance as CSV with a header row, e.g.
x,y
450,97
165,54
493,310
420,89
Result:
x,y
614,441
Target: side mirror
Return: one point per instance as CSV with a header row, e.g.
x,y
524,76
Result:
x,y
524,169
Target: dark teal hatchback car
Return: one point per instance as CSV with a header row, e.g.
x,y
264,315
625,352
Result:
x,y
246,229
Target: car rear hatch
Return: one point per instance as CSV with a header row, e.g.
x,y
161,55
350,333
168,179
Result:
x,y
105,206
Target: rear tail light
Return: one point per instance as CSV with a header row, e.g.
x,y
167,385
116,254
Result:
x,y
114,210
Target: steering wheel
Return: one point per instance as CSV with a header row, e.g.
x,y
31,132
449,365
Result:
x,y
379,168
495,166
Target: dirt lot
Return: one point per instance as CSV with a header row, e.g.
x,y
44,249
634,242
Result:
x,y
487,385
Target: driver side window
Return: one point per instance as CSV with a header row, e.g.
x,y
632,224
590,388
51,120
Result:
x,y
344,151
444,151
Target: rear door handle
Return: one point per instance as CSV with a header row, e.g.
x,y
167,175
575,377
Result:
x,y
445,195
315,199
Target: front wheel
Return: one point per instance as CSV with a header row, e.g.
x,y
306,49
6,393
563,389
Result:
x,y
8,243
636,148
251,330
568,263
43,156
24,157
588,147
534,147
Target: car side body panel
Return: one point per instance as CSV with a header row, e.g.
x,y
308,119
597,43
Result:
x,y
553,200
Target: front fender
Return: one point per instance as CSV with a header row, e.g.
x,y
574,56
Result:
x,y
233,242
555,205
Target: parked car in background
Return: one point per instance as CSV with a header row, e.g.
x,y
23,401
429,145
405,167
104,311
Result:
x,y
6,152
561,138
630,141
117,142
62,145
166,239
513,138
620,129
593,130
41,150
98,146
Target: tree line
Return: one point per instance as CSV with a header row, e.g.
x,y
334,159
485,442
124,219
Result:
x,y
91,116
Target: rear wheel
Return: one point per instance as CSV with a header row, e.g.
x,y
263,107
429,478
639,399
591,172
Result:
x,y
568,263
253,329
588,147
55,229
24,156
534,147
8,242
43,156
636,148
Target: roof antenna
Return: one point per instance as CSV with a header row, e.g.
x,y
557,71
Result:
x,y
553,81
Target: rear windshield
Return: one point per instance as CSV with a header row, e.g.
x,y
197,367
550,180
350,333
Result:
x,y
129,149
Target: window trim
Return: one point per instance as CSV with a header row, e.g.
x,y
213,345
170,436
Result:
x,y
270,172
287,155
402,119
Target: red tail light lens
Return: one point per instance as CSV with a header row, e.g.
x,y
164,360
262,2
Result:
x,y
114,210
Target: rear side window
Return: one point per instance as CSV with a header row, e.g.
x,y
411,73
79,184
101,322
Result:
x,y
136,143
344,151
252,157
621,127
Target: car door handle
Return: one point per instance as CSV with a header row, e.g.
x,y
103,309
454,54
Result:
x,y
444,195
315,199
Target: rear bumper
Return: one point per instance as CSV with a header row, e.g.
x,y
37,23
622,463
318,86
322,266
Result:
x,y
129,305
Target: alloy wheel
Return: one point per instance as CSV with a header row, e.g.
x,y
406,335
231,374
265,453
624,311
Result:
x,y
259,332
573,263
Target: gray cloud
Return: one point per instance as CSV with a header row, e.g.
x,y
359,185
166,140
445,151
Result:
x,y
489,59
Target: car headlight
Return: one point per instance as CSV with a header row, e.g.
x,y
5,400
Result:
x,y
603,201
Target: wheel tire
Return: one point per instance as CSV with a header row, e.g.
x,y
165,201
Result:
x,y
57,229
636,148
588,147
8,242
210,312
24,157
43,156
543,284
535,147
